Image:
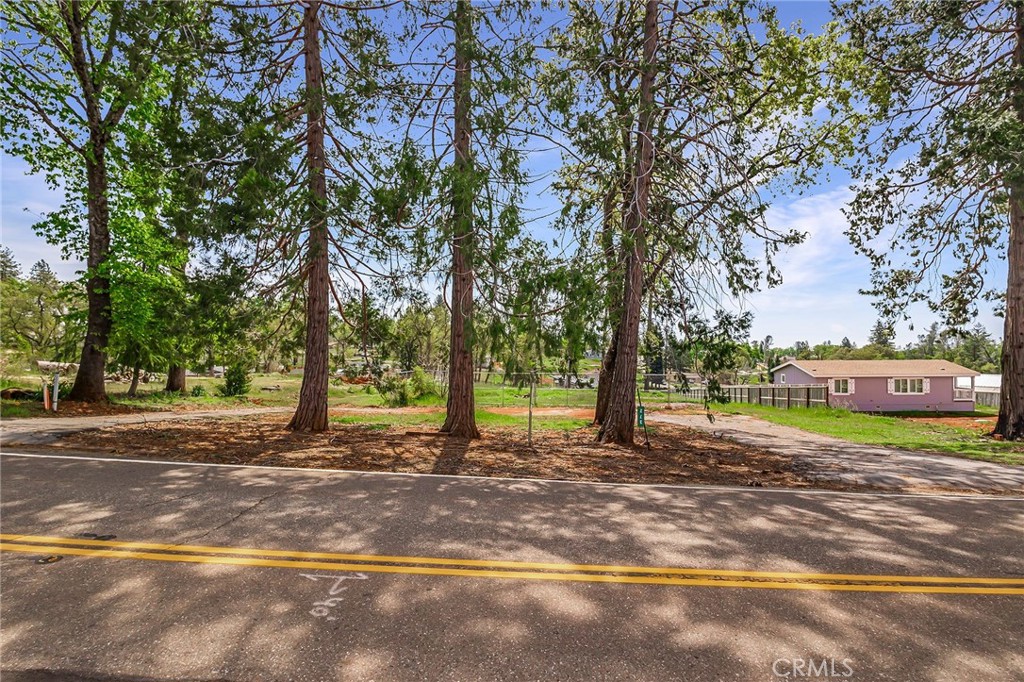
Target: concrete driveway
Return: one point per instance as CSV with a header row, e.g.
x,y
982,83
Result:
x,y
832,459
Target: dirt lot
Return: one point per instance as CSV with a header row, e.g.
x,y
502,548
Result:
x,y
678,455
974,423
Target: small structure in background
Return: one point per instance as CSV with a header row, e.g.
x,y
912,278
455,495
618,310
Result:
x,y
986,389
886,385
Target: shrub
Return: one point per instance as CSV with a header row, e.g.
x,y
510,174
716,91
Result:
x,y
236,380
199,391
423,384
396,391
399,392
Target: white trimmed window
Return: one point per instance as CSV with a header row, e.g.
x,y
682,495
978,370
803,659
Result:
x,y
909,386
842,386
782,378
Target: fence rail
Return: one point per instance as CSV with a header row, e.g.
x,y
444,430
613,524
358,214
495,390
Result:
x,y
987,398
580,390
775,395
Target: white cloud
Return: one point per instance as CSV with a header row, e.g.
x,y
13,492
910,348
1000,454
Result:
x,y
826,252
24,199
819,299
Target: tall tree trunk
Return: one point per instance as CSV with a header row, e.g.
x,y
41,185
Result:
x,y
1010,423
363,333
311,413
617,426
88,384
460,419
604,377
175,379
133,389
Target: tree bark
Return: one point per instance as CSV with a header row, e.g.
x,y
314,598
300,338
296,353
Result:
x,y
311,413
89,386
604,377
133,389
618,423
175,379
1010,423
460,419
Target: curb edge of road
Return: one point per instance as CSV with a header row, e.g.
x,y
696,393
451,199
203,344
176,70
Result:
x,y
981,497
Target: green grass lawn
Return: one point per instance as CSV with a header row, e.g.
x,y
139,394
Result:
x,y
893,431
484,419
508,395
152,397
16,409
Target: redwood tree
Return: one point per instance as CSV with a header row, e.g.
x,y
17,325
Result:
x,y
311,413
617,424
465,185
460,419
320,132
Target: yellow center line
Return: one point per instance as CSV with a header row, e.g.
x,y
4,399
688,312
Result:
x,y
517,565
517,575
421,565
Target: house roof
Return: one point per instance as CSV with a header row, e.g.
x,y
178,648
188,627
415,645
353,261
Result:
x,y
989,381
880,368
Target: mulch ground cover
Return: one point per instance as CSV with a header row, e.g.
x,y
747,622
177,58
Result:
x,y
677,455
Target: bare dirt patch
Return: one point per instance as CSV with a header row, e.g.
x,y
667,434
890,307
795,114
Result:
x,y
678,455
974,423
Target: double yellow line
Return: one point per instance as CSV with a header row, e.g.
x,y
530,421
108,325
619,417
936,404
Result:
x,y
479,568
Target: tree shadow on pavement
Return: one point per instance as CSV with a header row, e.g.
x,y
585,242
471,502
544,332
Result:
x,y
166,620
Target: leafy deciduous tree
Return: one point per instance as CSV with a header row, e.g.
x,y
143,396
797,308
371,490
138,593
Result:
x,y
941,182
78,79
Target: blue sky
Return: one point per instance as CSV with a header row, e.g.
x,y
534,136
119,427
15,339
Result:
x,y
818,301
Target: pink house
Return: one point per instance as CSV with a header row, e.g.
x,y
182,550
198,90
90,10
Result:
x,y
885,385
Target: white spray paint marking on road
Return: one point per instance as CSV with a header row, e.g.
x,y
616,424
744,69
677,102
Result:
x,y
322,609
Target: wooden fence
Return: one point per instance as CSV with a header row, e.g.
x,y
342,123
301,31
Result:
x,y
988,398
771,395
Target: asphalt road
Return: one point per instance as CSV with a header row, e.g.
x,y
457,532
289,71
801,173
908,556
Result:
x,y
477,579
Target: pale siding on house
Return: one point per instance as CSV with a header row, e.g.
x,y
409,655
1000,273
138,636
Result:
x,y
872,395
871,388
794,375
